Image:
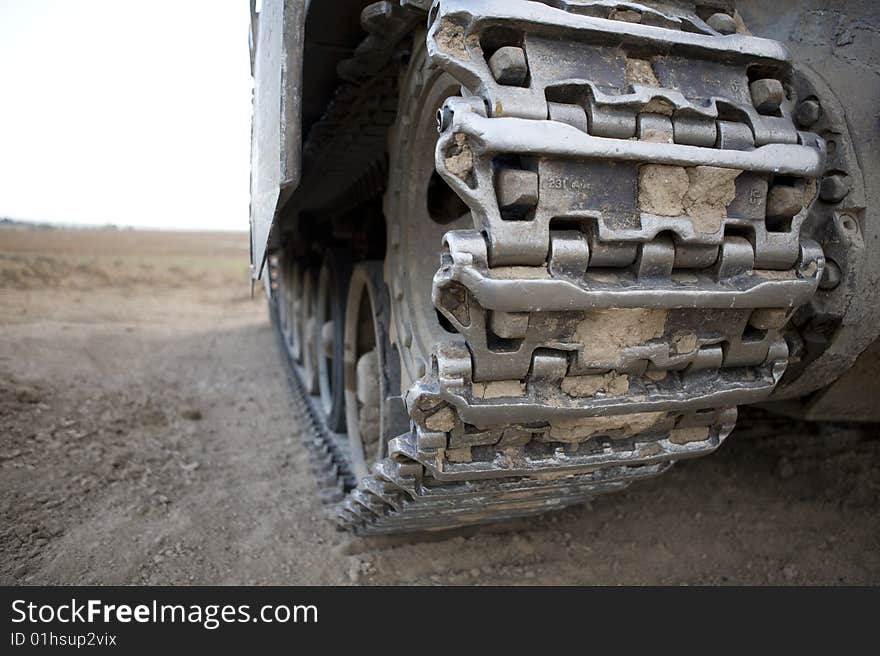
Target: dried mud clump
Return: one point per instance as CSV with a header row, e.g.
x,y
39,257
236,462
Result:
x,y
662,188
580,428
700,192
605,332
441,421
462,454
460,159
640,71
686,435
625,15
451,39
498,389
610,383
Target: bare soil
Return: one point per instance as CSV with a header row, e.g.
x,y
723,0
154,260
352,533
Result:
x,y
146,436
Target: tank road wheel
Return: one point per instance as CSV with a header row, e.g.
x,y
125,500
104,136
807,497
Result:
x,y
328,335
294,314
307,320
420,207
286,301
367,314
619,261
280,285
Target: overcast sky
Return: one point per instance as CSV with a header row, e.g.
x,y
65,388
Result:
x,y
134,112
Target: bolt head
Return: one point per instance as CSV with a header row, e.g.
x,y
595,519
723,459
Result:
x,y
517,187
510,325
834,188
508,66
767,95
807,113
831,275
722,23
849,223
444,118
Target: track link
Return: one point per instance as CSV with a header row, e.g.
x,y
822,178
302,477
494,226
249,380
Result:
x,y
637,187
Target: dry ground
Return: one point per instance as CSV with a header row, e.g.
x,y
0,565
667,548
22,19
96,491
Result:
x,y
146,437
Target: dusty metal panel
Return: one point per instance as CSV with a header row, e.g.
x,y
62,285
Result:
x,y
853,396
833,45
291,94
276,129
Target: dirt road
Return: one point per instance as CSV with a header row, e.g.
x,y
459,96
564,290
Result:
x,y
146,437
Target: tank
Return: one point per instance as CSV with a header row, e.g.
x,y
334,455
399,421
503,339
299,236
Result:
x,y
520,253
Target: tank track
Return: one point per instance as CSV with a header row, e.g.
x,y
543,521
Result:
x,y
637,192
399,497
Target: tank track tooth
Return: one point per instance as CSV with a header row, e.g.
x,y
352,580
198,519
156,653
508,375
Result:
x,y
394,500
627,281
479,507
417,509
578,447
567,284
704,310
429,491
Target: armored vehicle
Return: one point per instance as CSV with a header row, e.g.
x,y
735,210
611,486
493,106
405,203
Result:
x,y
522,252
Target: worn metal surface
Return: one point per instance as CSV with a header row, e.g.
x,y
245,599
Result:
x,y
371,367
518,264
275,132
639,228
344,155
838,73
404,499
521,392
